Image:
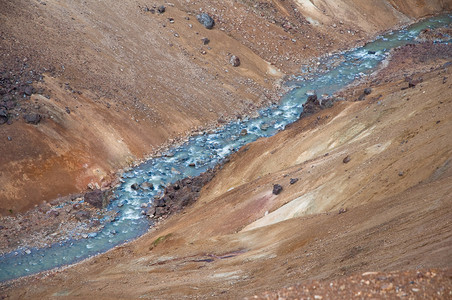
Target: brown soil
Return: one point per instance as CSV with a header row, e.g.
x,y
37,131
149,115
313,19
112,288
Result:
x,y
385,208
118,81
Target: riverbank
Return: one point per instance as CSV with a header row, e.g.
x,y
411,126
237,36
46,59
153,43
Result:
x,y
385,208
101,98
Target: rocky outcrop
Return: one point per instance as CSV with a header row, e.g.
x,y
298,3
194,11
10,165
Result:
x,y
178,195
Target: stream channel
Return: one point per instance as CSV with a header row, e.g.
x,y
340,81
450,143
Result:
x,y
207,150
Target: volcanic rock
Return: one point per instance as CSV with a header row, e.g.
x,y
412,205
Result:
x,y
161,9
32,118
96,198
234,61
206,20
277,189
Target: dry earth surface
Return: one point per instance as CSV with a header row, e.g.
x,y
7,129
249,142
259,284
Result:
x,y
108,82
373,196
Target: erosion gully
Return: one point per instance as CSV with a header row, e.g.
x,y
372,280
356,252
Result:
x,y
202,152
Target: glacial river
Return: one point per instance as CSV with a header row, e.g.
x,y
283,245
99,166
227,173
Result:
x,y
205,151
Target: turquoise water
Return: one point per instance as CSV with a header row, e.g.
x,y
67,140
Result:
x,y
205,151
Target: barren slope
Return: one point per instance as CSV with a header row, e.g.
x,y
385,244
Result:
x,y
118,80
239,239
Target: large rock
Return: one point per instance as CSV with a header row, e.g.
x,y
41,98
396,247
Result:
x,y
96,198
32,118
206,20
277,189
234,61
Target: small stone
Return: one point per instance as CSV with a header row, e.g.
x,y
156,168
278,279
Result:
x,y
401,173
28,90
53,213
28,251
342,210
277,189
367,91
161,9
293,180
205,41
243,132
234,61
10,138
346,159
82,215
371,52
135,186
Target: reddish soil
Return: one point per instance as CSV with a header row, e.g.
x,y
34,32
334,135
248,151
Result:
x,y
387,208
118,81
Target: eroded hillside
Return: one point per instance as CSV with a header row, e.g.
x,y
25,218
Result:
x,y
372,193
102,84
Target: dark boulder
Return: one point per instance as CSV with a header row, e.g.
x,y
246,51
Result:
x,y
3,116
32,118
234,61
367,91
293,180
28,90
206,20
161,9
346,159
96,198
277,189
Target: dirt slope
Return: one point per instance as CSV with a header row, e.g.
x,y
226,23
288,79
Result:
x,y
240,240
112,80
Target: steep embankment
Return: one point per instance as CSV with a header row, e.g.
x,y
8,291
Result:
x,y
387,207
118,80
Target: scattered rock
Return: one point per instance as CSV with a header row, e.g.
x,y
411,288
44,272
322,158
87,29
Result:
x,y
234,61
346,159
3,116
293,180
28,90
32,118
147,186
82,215
161,9
277,189
205,41
342,210
53,213
96,198
205,20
